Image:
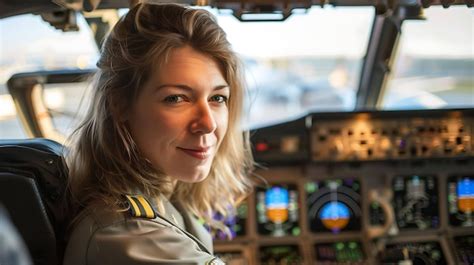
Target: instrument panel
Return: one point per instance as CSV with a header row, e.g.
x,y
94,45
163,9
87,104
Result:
x,y
360,188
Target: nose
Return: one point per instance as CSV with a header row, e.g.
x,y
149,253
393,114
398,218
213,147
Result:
x,y
204,121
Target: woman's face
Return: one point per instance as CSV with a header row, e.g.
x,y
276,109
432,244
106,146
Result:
x,y
180,116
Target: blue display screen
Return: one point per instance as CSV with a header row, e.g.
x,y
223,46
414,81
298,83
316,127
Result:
x,y
277,197
465,188
335,210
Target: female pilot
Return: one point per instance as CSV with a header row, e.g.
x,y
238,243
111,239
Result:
x,y
161,145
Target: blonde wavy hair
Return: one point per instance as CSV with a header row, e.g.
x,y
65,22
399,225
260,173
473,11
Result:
x,y
104,161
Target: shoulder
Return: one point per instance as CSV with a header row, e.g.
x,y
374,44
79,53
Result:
x,y
96,221
103,236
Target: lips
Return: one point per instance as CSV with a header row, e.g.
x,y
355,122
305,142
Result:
x,y
201,153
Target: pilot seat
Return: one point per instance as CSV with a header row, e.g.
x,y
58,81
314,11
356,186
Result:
x,y
33,176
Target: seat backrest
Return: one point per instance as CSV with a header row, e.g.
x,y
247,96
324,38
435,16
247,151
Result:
x,y
33,177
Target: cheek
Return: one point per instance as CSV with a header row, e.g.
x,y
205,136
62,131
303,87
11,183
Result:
x,y
222,124
170,123
151,127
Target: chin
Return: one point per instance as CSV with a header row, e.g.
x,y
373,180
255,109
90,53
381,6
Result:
x,y
200,179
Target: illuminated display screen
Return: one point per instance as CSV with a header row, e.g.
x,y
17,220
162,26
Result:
x,y
285,254
236,223
417,253
416,202
461,201
333,205
277,210
340,252
465,249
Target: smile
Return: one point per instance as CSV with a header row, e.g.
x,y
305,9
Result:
x,y
199,153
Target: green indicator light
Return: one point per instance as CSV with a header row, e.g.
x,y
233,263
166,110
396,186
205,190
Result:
x,y
339,246
352,245
296,231
452,198
310,187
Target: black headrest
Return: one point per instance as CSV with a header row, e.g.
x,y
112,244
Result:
x,y
33,177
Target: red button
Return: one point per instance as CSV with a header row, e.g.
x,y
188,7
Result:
x,y
261,147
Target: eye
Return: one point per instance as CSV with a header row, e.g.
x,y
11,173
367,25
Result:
x,y
219,99
174,99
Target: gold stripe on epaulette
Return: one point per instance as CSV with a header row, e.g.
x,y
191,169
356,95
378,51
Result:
x,y
147,206
135,211
140,207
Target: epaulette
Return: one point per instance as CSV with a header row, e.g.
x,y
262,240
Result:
x,y
140,207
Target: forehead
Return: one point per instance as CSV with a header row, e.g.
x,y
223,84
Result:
x,y
186,64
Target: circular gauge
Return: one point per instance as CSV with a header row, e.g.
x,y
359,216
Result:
x,y
335,215
333,205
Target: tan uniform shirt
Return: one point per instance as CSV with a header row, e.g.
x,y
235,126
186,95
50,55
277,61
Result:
x,y
104,237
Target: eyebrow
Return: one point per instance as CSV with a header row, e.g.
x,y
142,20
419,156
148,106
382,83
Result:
x,y
185,87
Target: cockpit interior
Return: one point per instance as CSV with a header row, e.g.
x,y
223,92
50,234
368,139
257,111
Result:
x,y
360,113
